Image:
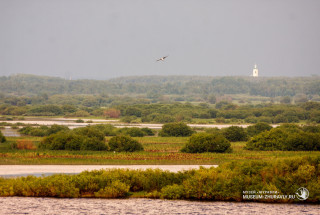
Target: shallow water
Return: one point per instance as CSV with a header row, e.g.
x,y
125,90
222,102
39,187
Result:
x,y
27,205
9,132
38,170
72,124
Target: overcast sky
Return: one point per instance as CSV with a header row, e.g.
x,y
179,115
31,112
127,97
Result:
x,y
102,39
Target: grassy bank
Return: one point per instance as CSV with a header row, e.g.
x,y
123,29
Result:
x,y
229,182
158,150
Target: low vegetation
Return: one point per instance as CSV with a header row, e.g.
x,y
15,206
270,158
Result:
x,y
227,182
235,133
124,144
204,142
2,138
86,138
43,130
176,129
257,128
91,145
287,137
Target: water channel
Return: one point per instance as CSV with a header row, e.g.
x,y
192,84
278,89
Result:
x,y
50,206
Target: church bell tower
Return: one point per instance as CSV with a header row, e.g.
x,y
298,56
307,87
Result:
x,y
255,71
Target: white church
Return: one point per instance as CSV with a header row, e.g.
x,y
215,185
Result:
x,y
255,71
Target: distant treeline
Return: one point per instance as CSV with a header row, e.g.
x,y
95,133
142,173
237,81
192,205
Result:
x,y
222,112
154,86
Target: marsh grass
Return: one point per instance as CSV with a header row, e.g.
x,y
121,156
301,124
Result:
x,y
25,144
158,150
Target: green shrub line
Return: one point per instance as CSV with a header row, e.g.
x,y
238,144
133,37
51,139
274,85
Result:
x,y
228,182
287,137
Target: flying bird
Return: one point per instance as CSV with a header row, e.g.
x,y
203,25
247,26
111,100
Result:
x,y
162,59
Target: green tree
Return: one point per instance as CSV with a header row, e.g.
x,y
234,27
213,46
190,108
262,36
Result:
x,y
2,138
259,127
132,132
205,142
235,133
56,128
212,99
285,100
286,137
176,129
124,144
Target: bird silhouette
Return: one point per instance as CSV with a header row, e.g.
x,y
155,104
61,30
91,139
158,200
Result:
x,y
162,59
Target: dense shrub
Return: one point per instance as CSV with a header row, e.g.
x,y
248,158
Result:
x,y
106,129
311,128
56,128
176,130
23,144
34,131
45,110
224,183
280,119
124,144
112,113
235,133
43,130
253,130
148,131
173,192
116,189
90,132
2,138
133,132
204,142
287,138
82,139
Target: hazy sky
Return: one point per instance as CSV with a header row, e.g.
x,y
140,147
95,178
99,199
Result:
x,y
101,39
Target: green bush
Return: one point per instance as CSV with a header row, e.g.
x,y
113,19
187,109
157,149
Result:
x,y
2,138
132,132
286,137
117,189
42,130
93,144
148,131
77,139
124,144
235,133
176,129
280,119
90,132
268,140
106,129
173,192
204,142
56,128
253,130
59,141
311,128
